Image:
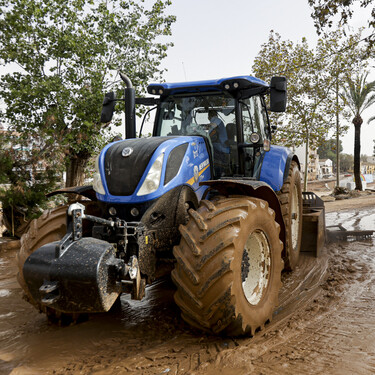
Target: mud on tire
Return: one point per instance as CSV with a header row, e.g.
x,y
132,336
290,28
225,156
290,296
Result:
x,y
228,266
290,198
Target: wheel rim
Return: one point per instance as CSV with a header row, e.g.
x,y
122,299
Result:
x,y
295,217
255,267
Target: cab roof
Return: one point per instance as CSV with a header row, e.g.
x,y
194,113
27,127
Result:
x,y
230,84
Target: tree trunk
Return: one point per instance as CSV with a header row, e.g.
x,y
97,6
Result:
x,y
75,168
307,156
337,135
357,121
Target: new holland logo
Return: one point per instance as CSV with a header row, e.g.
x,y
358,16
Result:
x,y
127,151
196,173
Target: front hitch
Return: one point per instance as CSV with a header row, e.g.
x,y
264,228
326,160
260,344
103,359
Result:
x,y
81,275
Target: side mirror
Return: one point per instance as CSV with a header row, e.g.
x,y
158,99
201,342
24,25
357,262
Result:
x,y
278,94
109,103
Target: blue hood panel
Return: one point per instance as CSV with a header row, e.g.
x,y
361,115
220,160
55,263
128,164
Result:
x,y
195,167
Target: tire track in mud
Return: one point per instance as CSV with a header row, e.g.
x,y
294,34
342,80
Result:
x,y
339,338
303,331
325,323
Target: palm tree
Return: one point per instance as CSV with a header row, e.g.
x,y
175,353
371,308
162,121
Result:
x,y
358,95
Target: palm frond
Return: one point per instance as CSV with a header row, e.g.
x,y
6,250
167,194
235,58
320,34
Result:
x,y
359,94
372,118
370,100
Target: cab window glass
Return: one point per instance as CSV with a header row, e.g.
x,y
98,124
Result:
x,y
209,115
192,115
254,118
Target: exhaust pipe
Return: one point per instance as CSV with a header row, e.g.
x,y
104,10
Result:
x,y
130,123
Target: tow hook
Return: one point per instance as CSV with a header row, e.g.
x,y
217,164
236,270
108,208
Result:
x,y
139,284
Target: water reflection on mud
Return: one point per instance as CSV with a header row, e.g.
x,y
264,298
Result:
x,y
363,219
149,332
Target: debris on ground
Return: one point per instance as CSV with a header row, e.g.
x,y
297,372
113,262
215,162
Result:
x,y
342,234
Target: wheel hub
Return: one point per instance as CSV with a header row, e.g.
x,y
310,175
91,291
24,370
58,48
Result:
x,y
255,267
294,217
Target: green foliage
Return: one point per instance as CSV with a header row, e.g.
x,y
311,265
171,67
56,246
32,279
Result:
x,y
328,150
315,77
24,175
325,10
62,56
358,96
346,163
67,52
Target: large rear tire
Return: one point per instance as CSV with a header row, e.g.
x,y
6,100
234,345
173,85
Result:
x,y
290,198
229,266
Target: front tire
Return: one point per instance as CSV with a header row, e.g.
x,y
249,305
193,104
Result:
x,y
229,266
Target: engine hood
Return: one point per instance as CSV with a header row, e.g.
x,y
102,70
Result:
x,y
125,165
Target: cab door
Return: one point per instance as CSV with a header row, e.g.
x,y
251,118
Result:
x,y
256,133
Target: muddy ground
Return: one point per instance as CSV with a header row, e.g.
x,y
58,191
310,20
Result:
x,y
325,323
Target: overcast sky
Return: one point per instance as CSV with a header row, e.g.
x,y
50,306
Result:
x,y
221,38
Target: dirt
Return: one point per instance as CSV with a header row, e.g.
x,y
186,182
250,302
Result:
x,y
324,324
362,201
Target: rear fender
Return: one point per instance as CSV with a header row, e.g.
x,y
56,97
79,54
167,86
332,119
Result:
x,y
251,188
275,166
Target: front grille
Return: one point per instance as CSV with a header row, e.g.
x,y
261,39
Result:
x,y
124,173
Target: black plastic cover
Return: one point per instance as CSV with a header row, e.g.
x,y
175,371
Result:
x,y
278,95
124,173
174,162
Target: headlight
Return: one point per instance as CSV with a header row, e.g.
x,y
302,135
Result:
x,y
152,181
97,183
254,137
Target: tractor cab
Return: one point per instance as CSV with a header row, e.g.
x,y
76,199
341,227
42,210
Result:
x,y
230,114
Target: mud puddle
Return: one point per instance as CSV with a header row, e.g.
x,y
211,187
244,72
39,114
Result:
x,y
325,323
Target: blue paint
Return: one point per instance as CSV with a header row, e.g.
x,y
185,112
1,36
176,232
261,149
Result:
x,y
273,167
207,85
196,159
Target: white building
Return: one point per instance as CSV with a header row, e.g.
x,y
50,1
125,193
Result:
x,y
313,166
326,168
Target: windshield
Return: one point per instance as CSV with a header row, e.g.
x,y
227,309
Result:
x,y
193,115
212,116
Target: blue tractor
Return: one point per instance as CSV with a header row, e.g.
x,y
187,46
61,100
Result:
x,y
207,198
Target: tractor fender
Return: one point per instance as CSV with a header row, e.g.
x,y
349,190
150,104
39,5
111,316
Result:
x,y
275,166
85,191
251,188
160,225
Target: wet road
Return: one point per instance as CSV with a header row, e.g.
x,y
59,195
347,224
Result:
x,y
325,323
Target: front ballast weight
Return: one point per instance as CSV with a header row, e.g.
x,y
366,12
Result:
x,y
83,274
